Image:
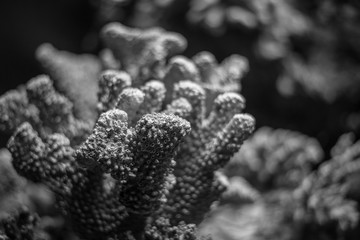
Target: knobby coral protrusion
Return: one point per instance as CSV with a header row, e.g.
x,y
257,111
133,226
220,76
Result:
x,y
44,108
139,159
142,53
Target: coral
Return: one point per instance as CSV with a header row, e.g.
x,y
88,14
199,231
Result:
x,y
204,152
218,78
16,192
239,191
328,66
262,178
84,191
142,53
75,76
44,108
327,195
161,229
274,159
215,15
320,74
15,109
10,182
275,21
292,32
149,54
265,219
153,155
138,142
21,225
275,176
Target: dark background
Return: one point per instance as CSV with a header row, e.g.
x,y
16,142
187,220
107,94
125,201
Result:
x,y
26,24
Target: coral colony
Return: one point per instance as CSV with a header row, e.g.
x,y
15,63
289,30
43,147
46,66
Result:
x,y
142,143
144,167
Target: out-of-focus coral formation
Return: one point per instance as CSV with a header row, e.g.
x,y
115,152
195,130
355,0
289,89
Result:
x,y
10,182
329,195
21,225
276,159
328,66
73,75
278,190
275,21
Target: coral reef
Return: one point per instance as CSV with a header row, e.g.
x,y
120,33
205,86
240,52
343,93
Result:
x,y
139,139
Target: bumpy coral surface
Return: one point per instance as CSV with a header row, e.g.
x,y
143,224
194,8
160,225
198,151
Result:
x,y
148,167
39,104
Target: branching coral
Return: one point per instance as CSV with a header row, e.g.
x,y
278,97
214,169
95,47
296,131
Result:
x,y
134,143
143,54
120,181
134,156
204,152
209,146
44,108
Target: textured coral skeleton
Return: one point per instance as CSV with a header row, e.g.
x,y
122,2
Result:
x,y
141,161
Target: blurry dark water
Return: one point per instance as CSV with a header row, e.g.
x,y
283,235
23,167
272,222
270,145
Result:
x,y
26,24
